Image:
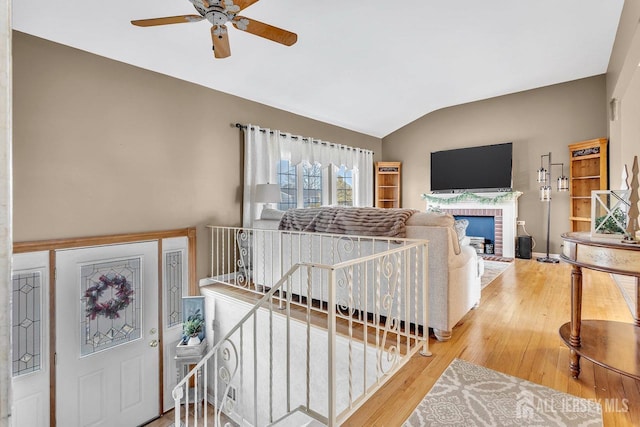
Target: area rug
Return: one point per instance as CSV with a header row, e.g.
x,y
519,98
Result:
x,y
488,257
472,395
492,269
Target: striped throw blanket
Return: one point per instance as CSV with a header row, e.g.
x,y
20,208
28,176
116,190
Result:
x,y
347,220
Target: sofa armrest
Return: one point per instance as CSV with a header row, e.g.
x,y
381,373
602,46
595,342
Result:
x,y
466,253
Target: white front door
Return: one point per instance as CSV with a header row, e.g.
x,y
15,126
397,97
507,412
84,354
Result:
x,y
107,353
30,342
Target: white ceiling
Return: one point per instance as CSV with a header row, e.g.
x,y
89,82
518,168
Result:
x,y
370,66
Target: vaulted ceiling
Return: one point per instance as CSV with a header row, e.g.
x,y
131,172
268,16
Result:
x,y
370,66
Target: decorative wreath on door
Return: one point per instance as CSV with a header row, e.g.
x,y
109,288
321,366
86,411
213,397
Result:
x,y
110,308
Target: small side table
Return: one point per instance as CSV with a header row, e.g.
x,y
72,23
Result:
x,y
183,364
613,345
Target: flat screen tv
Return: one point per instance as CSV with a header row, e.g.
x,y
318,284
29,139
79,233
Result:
x,y
475,169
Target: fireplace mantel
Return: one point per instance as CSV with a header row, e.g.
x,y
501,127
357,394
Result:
x,y
503,206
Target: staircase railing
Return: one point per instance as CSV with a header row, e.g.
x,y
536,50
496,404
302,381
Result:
x,y
318,341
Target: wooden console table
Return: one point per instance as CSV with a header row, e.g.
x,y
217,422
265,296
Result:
x,y
613,345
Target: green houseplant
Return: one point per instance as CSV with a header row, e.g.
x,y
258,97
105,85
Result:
x,y
612,224
192,328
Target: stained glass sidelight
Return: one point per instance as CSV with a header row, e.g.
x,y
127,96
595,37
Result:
x,y
26,321
111,297
173,287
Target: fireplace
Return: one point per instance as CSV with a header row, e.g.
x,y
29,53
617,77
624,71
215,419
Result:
x,y
496,214
503,207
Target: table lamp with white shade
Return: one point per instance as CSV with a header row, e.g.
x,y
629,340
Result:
x,y
267,194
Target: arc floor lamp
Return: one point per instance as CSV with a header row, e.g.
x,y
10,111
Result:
x,y
544,177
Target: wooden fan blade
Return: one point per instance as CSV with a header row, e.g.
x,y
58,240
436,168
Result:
x,y
267,31
167,20
242,4
220,38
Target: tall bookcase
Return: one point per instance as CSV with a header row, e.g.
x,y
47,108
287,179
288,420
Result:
x,y
588,171
387,190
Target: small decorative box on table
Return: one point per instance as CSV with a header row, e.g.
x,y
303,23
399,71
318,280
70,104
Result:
x,y
609,210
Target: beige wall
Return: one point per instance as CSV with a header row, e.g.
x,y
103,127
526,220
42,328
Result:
x,y
629,125
537,122
623,85
101,147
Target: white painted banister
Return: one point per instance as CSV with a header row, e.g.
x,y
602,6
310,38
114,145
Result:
x,y
335,317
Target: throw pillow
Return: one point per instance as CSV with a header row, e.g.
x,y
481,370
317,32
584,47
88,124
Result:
x,y
461,228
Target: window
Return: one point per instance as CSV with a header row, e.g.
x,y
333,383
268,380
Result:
x,y
271,156
344,187
308,186
288,180
311,186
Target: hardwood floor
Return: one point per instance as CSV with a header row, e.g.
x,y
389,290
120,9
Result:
x,y
515,331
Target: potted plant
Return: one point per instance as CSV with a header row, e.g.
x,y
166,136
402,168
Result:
x,y
614,223
192,328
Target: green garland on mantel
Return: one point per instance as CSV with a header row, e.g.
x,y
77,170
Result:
x,y
471,197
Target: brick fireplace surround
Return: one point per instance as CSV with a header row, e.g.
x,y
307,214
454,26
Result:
x,y
497,222
504,214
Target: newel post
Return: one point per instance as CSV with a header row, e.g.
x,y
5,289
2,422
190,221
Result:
x,y
331,333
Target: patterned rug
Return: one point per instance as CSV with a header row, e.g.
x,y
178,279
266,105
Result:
x,y
487,257
492,269
472,395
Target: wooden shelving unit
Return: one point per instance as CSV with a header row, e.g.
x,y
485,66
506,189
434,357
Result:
x,y
387,189
588,171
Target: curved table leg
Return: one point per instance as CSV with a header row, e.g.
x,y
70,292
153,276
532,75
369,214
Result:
x,y
576,319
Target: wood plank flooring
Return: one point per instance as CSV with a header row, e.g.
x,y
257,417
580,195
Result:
x,y
515,331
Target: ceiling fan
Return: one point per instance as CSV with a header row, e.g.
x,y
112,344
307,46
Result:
x,y
219,12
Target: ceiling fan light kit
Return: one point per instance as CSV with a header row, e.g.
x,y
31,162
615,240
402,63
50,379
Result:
x,y
218,13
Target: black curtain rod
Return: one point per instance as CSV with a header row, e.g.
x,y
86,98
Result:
x,y
243,127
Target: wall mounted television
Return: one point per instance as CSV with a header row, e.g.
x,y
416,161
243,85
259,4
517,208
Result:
x,y
475,169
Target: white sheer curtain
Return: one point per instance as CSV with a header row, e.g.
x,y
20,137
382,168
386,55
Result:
x,y
264,148
363,178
